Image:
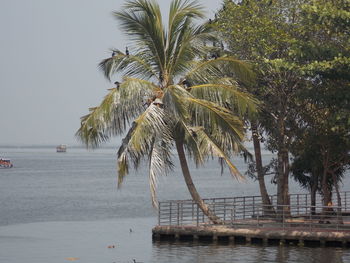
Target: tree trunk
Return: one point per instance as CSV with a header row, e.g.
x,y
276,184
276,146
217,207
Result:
x,y
282,171
191,187
266,202
280,184
339,212
327,197
286,197
327,194
313,198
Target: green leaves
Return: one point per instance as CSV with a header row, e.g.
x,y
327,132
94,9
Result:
x,y
115,112
147,130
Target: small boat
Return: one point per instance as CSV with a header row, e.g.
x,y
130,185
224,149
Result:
x,y
61,148
5,163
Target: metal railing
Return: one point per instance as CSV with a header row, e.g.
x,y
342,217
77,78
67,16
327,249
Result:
x,y
248,211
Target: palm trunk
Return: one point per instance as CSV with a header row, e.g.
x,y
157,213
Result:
x,y
266,202
191,187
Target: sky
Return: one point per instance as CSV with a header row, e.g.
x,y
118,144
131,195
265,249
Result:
x,y
49,52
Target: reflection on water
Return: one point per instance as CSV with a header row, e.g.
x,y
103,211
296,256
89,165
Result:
x,y
89,241
189,252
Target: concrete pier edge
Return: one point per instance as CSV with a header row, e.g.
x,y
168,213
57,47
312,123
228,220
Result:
x,y
252,236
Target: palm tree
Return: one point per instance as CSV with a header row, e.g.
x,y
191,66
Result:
x,y
170,96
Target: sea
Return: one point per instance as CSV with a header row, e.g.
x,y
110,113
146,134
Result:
x,y
66,207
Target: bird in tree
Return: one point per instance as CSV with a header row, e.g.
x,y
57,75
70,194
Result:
x,y
158,110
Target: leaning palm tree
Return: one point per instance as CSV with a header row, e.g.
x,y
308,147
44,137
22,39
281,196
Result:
x,y
172,95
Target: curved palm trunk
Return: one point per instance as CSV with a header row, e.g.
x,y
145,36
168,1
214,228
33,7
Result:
x,y
191,187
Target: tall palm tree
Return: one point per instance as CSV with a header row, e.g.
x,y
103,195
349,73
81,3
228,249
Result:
x,y
170,96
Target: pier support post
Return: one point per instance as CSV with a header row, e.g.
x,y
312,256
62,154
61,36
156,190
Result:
x,y
215,238
265,241
177,236
195,238
282,242
248,240
301,243
323,243
231,239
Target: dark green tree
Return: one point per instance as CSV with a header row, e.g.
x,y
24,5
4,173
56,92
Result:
x,y
263,33
323,52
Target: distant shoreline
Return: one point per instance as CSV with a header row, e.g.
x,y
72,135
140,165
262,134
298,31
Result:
x,y
49,146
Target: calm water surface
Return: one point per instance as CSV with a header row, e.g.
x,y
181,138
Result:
x,y
59,207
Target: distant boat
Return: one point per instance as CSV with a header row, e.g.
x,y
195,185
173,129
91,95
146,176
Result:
x,y
5,163
62,148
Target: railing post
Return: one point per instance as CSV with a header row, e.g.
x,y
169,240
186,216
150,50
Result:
x,y
345,203
224,210
310,218
254,205
159,207
178,214
214,206
182,214
192,211
244,207
234,212
297,204
197,215
306,204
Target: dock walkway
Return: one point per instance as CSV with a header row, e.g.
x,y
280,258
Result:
x,y
246,220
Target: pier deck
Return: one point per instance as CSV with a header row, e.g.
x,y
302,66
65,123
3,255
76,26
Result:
x,y
245,220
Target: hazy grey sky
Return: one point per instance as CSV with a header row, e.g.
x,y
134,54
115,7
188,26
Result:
x,y
48,65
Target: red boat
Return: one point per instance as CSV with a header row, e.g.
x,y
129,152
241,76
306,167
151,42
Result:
x,y
5,163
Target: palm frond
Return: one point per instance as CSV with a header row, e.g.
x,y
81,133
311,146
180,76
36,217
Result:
x,y
181,30
227,94
213,116
141,20
129,65
97,126
160,163
120,106
191,144
140,139
208,146
204,71
175,102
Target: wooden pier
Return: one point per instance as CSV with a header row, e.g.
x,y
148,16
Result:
x,y
245,221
